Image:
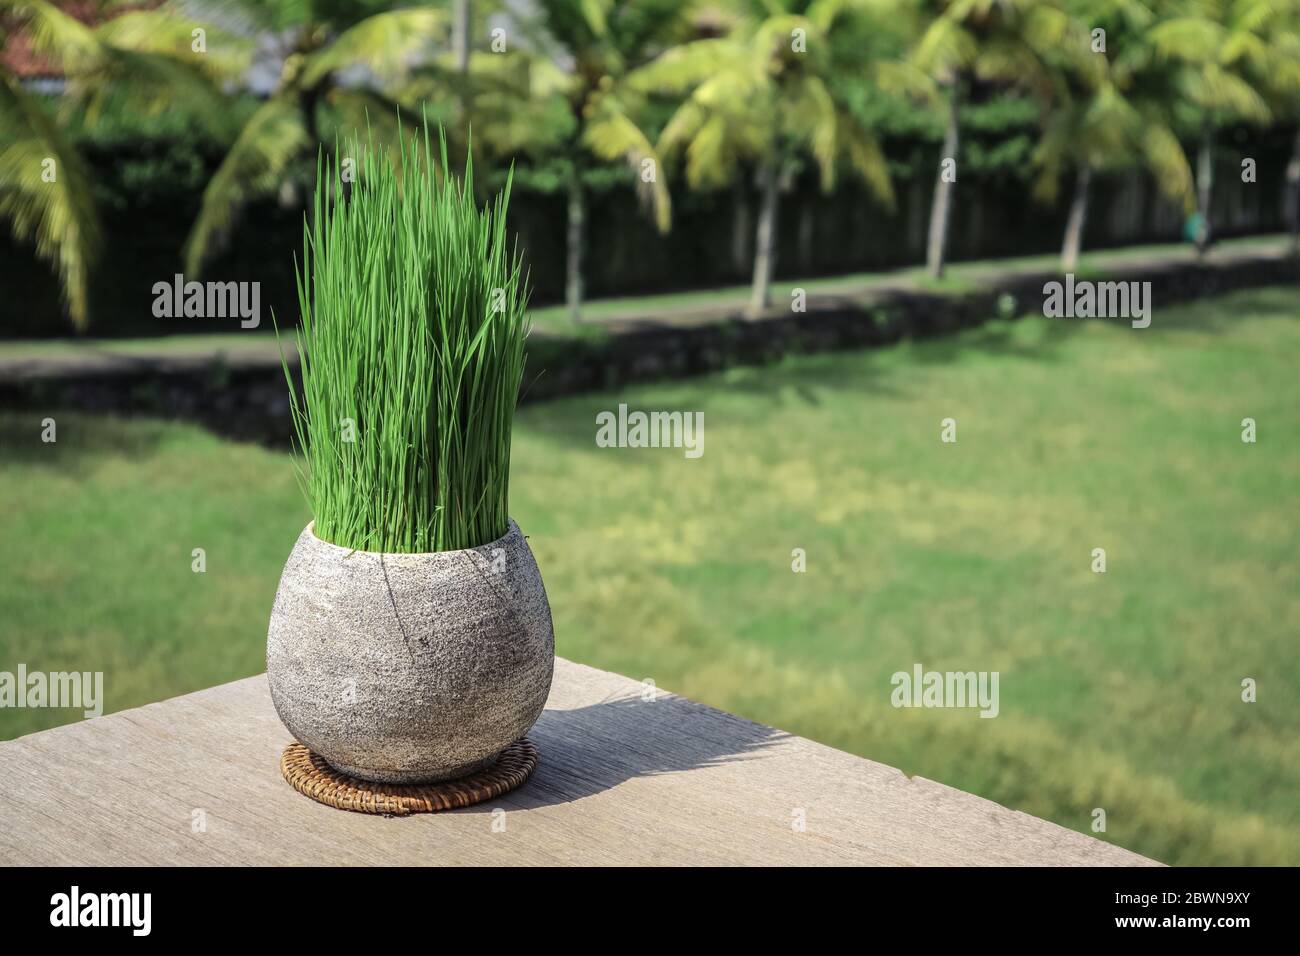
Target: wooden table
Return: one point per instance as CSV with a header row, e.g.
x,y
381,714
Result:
x,y
622,780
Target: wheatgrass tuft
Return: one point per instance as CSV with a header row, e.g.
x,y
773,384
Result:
x,y
412,351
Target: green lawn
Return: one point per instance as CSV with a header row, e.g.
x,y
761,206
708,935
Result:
x,y
1118,690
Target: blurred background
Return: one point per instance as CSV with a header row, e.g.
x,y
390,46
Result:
x,y
730,187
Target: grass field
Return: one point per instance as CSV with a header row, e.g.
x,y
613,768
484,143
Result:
x,y
1119,691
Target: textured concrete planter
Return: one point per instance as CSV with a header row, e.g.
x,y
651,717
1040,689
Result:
x,y
406,668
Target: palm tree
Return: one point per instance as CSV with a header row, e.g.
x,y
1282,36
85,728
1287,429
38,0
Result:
x,y
145,58
1231,63
1117,115
562,96
768,93
1022,43
337,62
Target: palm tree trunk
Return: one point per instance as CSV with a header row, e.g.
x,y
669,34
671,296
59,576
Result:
x,y
764,242
460,34
941,207
577,227
1204,191
1293,195
460,26
1074,225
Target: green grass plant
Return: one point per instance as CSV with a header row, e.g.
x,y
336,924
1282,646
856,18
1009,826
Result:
x,y
412,345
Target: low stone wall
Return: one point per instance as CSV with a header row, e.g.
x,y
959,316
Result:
x,y
246,401
656,351
246,397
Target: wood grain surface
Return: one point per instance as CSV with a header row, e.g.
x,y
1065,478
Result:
x,y
621,781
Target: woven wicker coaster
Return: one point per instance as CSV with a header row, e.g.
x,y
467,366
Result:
x,y
309,774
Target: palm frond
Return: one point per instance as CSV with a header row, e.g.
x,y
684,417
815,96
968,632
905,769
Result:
x,y
710,160
58,216
945,48
151,83
611,134
269,142
1214,88
868,160
1193,39
904,78
168,32
1167,161
61,38
383,43
683,67
815,119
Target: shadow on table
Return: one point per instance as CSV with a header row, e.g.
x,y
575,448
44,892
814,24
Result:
x,y
591,749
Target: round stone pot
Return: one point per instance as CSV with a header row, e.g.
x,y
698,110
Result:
x,y
410,668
